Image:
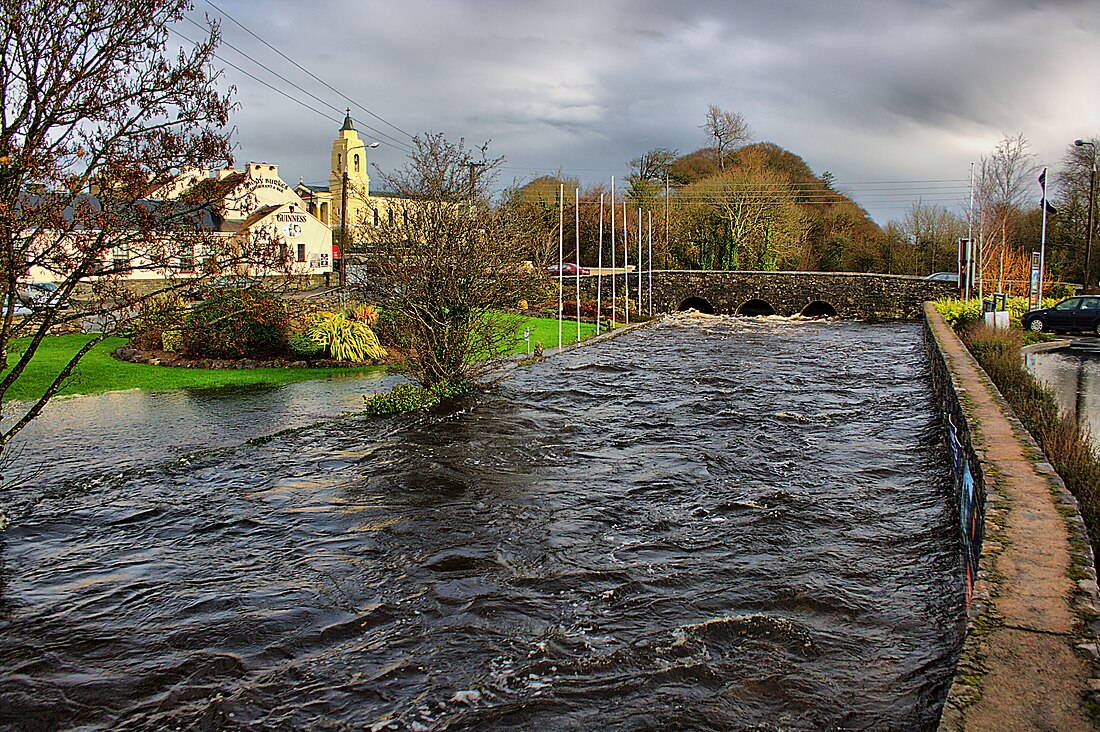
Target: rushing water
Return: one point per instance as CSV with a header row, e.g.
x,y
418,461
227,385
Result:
x,y
1073,374
708,524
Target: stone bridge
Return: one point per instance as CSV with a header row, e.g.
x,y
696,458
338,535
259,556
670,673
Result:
x,y
842,294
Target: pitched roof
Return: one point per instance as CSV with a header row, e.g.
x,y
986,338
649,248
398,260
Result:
x,y
212,189
260,213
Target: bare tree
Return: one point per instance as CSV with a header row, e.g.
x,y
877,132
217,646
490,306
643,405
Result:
x,y
444,266
728,129
94,101
1005,190
933,233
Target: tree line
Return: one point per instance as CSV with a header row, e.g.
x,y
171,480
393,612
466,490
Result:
x,y
738,204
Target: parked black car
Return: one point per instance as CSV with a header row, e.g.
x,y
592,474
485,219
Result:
x,y
1074,313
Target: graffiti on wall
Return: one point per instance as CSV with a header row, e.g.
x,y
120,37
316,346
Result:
x,y
971,508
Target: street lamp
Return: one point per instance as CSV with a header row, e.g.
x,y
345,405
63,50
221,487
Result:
x,y
344,213
1092,194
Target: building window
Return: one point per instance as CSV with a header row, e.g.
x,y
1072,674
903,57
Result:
x,y
356,162
338,161
405,216
377,218
301,251
390,216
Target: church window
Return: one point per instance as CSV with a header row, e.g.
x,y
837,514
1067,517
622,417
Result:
x,y
338,161
357,162
377,219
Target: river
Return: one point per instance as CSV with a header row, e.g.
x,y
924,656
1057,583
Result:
x,y
1073,374
712,523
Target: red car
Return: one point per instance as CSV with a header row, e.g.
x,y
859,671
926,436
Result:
x,y
566,269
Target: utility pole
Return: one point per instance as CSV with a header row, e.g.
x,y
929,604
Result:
x,y
344,227
473,166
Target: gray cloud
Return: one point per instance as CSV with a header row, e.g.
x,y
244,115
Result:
x,y
868,90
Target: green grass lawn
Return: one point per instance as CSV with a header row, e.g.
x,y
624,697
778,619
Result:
x,y
98,372
545,331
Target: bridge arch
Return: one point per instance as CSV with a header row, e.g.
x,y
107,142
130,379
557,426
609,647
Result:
x,y
819,309
753,308
697,303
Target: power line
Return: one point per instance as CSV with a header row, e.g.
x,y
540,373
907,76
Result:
x,y
248,30
257,79
397,143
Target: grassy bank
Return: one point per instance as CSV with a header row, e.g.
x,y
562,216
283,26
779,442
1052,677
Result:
x,y
545,331
99,372
1062,439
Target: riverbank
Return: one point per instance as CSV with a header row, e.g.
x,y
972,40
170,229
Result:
x,y
99,372
1029,657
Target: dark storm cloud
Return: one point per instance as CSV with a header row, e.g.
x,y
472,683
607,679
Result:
x,y
869,90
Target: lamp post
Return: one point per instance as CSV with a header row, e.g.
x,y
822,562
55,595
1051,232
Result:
x,y
344,213
1092,194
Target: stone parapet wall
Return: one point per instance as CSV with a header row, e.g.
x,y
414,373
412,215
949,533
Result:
x,y
1029,654
851,294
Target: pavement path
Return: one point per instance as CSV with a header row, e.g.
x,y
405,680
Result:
x,y
1029,670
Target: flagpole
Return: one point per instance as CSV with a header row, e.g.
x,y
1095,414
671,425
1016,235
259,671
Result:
x,y
599,271
577,226
969,233
561,257
639,262
626,266
651,264
1043,240
613,262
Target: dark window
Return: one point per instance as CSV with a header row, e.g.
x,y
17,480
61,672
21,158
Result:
x,y
301,251
377,219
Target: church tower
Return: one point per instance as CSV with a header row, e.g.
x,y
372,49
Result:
x,y
349,154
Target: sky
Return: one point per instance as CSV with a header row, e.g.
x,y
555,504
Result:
x,y
895,98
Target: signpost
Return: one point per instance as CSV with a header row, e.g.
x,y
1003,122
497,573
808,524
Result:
x,y
1033,290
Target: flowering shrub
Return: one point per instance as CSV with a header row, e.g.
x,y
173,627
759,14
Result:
x,y
237,324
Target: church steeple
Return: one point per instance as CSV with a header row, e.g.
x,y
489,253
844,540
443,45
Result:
x,y
349,158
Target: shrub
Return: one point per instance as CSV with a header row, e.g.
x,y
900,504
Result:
x,y
237,324
364,314
302,346
172,340
391,330
409,397
959,313
344,339
1060,291
1065,443
155,317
